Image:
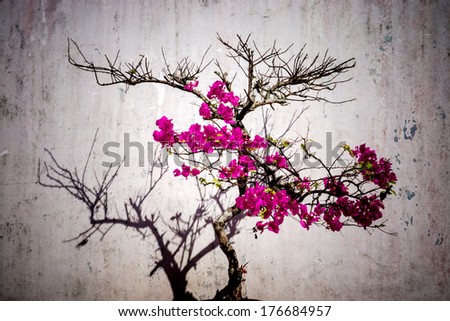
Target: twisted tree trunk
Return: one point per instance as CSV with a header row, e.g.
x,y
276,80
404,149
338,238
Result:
x,y
232,291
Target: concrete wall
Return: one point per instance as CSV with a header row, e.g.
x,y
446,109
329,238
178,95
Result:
x,y
402,109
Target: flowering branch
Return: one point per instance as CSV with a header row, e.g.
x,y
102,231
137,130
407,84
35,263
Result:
x,y
270,187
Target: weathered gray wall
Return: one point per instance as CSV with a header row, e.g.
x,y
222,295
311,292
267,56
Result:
x,y
402,109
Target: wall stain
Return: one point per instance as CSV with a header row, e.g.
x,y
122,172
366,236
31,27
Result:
x,y
395,137
408,222
441,113
386,29
8,110
439,240
408,134
410,195
16,37
206,3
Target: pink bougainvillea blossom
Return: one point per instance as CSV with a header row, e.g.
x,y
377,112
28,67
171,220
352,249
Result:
x,y
332,217
277,159
337,188
230,98
216,90
205,111
237,168
166,134
257,142
206,138
273,203
273,207
226,113
233,170
377,171
247,162
191,85
186,171
304,184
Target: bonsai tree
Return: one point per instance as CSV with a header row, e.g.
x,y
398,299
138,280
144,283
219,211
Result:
x,y
269,184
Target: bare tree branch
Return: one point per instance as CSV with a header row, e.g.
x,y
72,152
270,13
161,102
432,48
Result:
x,y
132,74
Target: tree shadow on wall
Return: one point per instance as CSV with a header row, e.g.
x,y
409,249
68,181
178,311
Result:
x,y
175,239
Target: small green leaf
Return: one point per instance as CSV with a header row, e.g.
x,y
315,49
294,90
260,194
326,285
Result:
x,y
217,183
272,140
285,143
269,190
263,213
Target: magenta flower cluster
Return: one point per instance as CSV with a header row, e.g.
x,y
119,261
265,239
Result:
x,y
363,211
206,138
226,102
210,137
186,171
377,171
273,204
190,86
335,187
221,100
277,160
166,134
205,111
237,168
218,91
273,207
